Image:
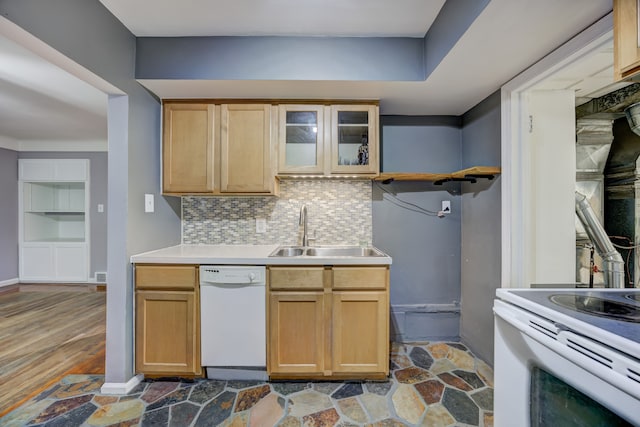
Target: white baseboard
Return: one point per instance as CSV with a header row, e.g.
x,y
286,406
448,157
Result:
x,y
9,282
101,275
121,388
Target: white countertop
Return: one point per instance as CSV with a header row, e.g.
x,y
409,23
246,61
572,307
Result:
x,y
242,255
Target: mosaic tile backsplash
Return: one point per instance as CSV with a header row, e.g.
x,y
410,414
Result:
x,y
339,212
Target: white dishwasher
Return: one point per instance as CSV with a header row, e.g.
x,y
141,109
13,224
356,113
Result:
x,y
233,321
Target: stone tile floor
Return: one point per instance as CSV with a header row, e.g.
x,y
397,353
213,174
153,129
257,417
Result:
x,y
432,384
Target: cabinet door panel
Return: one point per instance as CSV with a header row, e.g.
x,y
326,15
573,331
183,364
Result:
x,y
71,262
301,139
188,148
36,170
70,170
626,41
53,169
245,147
296,332
36,261
360,332
166,328
354,139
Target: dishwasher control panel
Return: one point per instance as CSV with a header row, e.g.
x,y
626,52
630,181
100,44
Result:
x,y
232,274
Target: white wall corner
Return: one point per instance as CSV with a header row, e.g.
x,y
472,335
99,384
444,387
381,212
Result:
x,y
122,388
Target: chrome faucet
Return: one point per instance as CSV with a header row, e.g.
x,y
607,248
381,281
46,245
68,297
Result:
x,y
303,222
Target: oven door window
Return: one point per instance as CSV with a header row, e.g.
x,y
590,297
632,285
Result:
x,y
556,403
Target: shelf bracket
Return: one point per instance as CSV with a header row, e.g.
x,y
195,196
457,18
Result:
x,y
465,179
471,175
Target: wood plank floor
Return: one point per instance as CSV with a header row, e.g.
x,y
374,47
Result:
x,y
45,336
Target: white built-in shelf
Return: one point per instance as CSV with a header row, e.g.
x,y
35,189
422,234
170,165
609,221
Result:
x,y
54,220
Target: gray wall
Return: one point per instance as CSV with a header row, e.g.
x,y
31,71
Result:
x,y
280,58
86,32
307,58
8,215
97,194
425,275
481,227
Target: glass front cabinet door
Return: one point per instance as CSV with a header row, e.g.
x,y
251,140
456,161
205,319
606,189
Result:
x,y
354,139
301,139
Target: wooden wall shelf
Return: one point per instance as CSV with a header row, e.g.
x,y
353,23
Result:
x,y
468,175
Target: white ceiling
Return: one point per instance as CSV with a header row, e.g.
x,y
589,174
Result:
x,y
589,77
359,18
40,102
507,37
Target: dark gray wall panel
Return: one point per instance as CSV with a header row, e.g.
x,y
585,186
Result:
x,y
481,228
425,275
452,22
8,215
280,58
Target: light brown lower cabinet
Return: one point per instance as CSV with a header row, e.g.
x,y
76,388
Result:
x,y
360,339
167,338
296,332
320,327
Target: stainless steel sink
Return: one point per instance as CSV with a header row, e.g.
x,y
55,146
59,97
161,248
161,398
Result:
x,y
351,251
288,251
326,251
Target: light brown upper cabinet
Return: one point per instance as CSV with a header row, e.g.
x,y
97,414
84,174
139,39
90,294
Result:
x,y
301,139
245,149
626,39
354,139
218,149
328,139
187,152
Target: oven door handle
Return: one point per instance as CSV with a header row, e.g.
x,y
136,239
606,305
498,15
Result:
x,y
524,321
622,372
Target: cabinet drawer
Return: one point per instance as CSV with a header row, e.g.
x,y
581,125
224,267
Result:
x,y
296,277
166,277
360,277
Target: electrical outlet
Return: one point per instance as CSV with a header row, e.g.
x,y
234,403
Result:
x,y
446,206
261,225
148,203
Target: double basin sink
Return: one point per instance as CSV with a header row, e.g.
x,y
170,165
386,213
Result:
x,y
327,251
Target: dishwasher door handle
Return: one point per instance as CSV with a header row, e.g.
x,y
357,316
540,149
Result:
x,y
229,285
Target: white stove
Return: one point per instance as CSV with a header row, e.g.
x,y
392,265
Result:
x,y
567,357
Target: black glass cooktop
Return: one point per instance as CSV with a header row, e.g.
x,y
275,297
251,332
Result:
x,y
633,297
599,306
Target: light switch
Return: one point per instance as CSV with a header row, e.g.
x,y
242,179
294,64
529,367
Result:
x,y
261,225
100,208
446,206
148,202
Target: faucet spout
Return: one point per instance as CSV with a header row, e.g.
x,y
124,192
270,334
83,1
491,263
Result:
x,y
304,222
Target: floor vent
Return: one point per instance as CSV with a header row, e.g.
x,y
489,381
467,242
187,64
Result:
x,y
101,277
